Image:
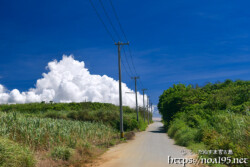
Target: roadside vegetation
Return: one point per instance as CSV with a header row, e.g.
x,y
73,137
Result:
x,y
60,134
14,155
212,117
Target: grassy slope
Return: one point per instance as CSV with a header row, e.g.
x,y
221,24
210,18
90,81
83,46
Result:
x,y
65,133
213,117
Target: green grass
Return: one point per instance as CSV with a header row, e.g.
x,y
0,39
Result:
x,y
14,155
65,132
36,108
61,152
106,113
44,133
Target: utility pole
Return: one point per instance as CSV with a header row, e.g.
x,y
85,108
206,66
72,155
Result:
x,y
151,110
137,112
144,109
119,44
148,108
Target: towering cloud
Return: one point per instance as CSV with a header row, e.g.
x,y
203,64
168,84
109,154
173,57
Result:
x,y
69,81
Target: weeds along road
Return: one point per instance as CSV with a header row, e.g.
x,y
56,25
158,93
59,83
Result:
x,y
148,149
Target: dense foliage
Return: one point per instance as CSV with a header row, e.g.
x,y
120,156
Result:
x,y
43,107
215,116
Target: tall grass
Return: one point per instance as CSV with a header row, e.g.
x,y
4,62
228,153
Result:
x,y
69,132
106,113
14,155
45,133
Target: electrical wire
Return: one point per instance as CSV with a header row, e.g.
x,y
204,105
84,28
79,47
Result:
x,y
125,68
116,32
127,62
118,20
98,15
111,23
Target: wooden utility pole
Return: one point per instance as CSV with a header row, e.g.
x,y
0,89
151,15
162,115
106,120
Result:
x,y
144,109
151,110
119,44
148,107
136,103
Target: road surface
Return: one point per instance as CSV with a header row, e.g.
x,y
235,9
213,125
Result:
x,y
148,149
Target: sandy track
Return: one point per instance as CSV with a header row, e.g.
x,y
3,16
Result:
x,y
149,149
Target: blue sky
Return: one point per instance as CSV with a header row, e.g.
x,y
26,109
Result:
x,y
171,41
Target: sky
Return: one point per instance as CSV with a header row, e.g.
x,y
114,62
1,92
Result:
x,y
190,42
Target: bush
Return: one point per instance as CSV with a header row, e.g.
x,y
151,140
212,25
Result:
x,y
14,155
61,152
142,125
215,116
130,122
127,109
55,115
72,115
175,126
44,107
185,136
109,118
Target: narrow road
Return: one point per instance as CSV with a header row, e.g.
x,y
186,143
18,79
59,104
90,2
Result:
x,y
149,149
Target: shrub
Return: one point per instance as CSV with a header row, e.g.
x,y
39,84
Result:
x,y
127,109
142,125
185,136
109,118
130,122
61,152
85,115
216,115
72,115
54,115
175,126
14,155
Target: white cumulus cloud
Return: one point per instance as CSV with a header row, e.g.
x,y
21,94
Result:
x,y
68,80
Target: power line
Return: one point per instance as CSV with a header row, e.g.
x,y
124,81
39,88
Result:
x,y
125,68
132,60
98,15
119,23
106,13
117,18
116,32
127,61
141,84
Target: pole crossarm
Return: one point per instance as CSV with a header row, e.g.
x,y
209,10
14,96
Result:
x,y
121,43
130,92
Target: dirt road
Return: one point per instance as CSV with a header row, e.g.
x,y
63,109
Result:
x,y
149,149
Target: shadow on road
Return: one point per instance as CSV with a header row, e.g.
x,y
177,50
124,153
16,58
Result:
x,y
159,130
